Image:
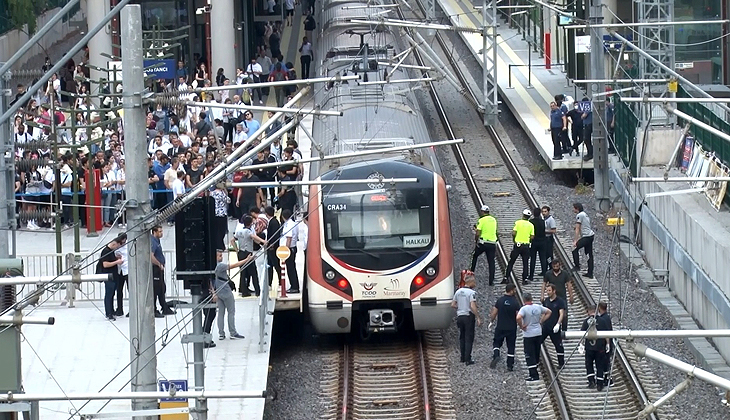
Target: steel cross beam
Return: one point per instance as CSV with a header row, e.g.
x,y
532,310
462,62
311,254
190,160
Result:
x,y
489,50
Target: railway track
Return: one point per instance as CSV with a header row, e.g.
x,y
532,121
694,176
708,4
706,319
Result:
x,y
394,380
561,394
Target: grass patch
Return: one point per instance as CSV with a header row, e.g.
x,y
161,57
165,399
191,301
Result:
x,y
538,167
582,189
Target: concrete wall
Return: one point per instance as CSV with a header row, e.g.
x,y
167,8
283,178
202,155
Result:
x,y
702,233
13,40
660,142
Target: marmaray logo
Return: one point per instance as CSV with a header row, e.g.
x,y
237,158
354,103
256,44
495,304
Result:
x,y
368,286
394,284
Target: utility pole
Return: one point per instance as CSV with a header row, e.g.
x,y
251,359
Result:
x,y
600,143
7,152
141,309
489,50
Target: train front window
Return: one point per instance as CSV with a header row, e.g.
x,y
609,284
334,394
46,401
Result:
x,y
401,220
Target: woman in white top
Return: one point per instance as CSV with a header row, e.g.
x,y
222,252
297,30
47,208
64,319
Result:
x,y
121,176
121,252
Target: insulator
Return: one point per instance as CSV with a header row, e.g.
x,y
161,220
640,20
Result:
x,y
26,215
24,165
34,145
27,74
170,99
7,297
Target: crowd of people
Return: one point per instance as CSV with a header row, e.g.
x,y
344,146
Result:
x,y
187,139
533,239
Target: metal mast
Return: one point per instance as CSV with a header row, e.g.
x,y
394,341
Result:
x,y
657,40
489,49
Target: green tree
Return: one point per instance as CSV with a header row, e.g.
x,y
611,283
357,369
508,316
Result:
x,y
25,12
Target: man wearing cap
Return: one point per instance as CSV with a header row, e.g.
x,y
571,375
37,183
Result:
x,y
529,319
522,234
486,241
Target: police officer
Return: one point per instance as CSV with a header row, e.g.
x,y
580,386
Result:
x,y
486,241
522,235
551,229
603,323
505,312
529,319
558,124
465,303
563,286
551,327
586,109
538,244
594,351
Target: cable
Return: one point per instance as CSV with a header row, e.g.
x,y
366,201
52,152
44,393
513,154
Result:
x,y
45,367
659,41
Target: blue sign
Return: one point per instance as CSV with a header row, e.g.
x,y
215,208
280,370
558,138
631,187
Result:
x,y
159,69
179,384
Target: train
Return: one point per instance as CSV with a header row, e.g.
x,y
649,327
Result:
x,y
379,256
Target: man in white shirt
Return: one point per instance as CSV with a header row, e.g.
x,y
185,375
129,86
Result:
x,y
304,239
178,186
239,136
253,71
289,238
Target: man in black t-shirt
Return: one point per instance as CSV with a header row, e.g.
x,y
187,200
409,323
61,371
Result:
x,y
563,286
551,327
505,311
108,264
538,244
249,197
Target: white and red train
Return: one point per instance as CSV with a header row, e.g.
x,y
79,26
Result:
x,y
380,256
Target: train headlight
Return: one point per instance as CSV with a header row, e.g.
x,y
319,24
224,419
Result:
x,y
419,281
342,284
430,271
330,275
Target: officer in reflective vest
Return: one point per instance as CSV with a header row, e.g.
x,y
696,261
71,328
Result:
x,y
522,234
486,241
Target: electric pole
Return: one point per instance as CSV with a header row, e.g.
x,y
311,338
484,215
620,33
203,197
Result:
x,y
600,143
6,167
489,72
141,309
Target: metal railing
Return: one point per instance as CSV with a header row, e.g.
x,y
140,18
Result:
x,y
47,265
529,66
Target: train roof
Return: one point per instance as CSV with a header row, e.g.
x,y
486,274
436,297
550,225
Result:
x,y
375,114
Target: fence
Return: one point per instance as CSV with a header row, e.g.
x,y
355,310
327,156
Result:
x,y
47,265
625,125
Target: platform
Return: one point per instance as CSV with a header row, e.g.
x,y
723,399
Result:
x,y
84,351
529,102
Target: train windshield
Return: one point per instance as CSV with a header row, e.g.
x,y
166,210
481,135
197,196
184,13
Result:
x,y
373,220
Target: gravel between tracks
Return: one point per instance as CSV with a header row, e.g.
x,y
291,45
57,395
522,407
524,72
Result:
x,y
642,309
297,357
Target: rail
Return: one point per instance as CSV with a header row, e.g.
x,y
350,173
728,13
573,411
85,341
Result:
x,y
383,381
564,406
562,409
